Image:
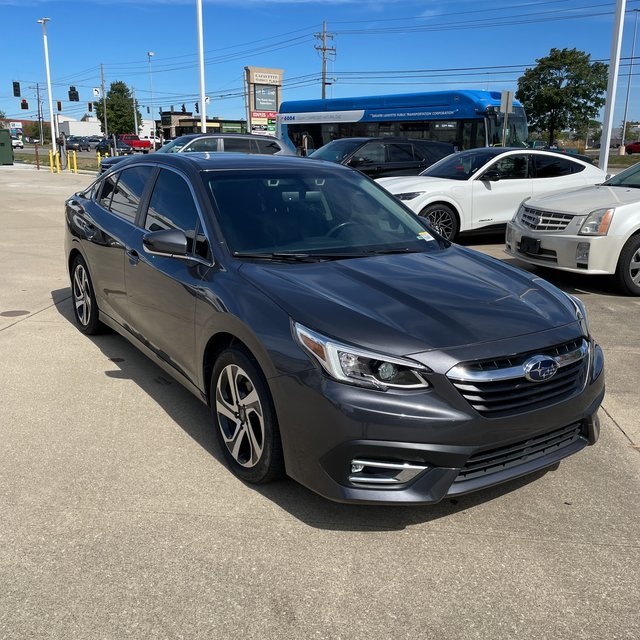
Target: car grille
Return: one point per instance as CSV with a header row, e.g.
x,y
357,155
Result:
x,y
499,388
487,462
544,220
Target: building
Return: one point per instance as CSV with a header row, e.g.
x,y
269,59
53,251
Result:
x,y
178,123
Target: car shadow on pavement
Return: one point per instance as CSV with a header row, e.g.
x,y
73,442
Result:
x,y
194,419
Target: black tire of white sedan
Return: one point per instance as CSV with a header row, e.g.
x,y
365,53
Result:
x,y
628,270
85,307
443,219
246,421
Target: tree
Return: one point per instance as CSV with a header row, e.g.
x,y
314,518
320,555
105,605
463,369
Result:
x,y
119,109
563,91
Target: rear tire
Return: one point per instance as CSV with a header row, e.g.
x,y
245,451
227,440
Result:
x,y
628,269
85,307
443,219
245,418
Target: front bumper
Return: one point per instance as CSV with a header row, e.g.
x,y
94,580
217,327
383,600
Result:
x,y
357,445
594,255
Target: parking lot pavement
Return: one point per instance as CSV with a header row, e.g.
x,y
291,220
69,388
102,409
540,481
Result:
x,y
118,518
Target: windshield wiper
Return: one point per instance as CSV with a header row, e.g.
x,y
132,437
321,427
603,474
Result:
x,y
292,256
383,252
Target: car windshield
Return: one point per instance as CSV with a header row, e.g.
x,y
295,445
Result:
x,y
628,178
460,166
313,214
335,151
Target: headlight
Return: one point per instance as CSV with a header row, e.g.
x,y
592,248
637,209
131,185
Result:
x,y
581,314
359,366
597,223
518,213
408,196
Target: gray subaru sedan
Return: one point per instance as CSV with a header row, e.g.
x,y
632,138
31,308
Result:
x,y
335,336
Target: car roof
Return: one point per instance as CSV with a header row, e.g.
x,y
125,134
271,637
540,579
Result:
x,y
210,161
193,136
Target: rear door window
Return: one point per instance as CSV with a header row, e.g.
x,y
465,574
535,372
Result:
x,y
241,145
128,191
549,167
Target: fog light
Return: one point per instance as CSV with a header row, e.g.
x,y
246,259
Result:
x,y
582,252
382,472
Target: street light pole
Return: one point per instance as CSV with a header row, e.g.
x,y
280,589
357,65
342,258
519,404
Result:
x,y
626,102
43,22
203,104
150,54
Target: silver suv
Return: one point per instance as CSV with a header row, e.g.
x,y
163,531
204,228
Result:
x,y
217,142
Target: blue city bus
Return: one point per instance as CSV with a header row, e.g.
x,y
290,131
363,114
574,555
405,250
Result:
x,y
467,119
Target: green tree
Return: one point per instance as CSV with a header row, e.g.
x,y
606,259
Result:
x,y
563,91
632,130
119,110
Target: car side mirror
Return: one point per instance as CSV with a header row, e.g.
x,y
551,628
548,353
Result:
x,y
492,175
168,242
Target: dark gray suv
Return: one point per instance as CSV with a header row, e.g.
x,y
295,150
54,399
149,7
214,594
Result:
x,y
333,334
384,157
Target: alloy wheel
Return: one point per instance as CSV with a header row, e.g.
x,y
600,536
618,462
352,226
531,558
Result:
x,y
240,416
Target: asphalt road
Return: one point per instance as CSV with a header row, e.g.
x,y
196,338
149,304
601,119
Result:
x,y
118,518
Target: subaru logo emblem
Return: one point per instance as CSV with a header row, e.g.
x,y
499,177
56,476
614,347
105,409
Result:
x,y
540,368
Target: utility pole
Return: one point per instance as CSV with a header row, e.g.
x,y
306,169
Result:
x,y
104,101
324,49
626,102
135,111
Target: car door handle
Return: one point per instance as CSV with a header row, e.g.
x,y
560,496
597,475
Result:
x,y
134,256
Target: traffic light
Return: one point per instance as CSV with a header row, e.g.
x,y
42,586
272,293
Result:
x,y
59,105
90,106
24,104
73,94
197,108
16,89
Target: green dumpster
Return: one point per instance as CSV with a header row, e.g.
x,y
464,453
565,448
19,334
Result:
x,y
6,150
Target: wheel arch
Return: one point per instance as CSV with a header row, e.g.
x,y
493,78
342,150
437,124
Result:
x,y
221,341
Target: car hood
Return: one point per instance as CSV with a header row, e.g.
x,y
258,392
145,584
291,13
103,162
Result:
x,y
408,184
405,304
583,201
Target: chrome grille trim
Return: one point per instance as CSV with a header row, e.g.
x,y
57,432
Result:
x,y
468,373
498,388
538,220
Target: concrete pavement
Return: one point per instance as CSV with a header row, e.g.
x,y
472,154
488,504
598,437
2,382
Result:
x,y
118,518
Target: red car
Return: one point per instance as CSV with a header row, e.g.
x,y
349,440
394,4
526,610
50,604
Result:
x,y
632,147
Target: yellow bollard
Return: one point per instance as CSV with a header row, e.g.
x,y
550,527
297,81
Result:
x,y
51,160
58,161
75,163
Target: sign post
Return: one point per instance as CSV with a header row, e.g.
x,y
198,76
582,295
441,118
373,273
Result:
x,y
506,107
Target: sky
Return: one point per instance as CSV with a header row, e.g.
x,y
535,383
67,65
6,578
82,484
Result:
x,y
381,47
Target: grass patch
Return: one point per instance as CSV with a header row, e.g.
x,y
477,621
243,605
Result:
x,y
85,161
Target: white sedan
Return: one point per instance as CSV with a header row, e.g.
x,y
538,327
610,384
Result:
x,y
482,188
594,230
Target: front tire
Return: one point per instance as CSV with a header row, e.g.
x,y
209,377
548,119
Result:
x,y
85,307
245,419
628,269
443,219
